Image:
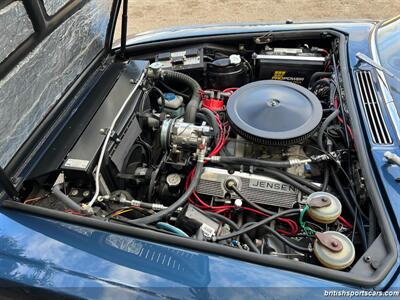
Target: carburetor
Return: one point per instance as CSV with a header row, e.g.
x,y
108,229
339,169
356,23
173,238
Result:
x,y
180,137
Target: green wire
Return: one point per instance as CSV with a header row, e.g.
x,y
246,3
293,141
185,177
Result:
x,y
308,230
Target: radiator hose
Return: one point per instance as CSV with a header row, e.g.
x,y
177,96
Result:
x,y
254,162
71,204
194,102
323,127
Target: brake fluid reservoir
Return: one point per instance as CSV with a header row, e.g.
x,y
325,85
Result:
x,y
325,214
173,104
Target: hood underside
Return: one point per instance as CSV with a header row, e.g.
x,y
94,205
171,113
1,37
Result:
x,y
45,47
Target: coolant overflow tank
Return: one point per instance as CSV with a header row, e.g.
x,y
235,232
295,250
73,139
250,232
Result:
x,y
172,104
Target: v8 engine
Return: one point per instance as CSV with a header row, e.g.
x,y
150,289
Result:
x,y
235,146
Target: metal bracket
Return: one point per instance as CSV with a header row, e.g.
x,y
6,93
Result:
x,y
328,241
318,202
8,186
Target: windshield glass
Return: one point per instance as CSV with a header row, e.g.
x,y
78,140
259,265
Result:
x,y
36,68
388,38
388,45
144,15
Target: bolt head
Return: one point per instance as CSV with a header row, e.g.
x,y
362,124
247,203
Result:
x,y
74,192
238,203
367,258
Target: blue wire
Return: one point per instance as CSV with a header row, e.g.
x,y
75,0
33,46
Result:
x,y
171,228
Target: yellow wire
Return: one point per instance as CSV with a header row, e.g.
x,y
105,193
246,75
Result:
x,y
121,212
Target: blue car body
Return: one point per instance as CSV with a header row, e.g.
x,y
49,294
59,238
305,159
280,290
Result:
x,y
60,259
95,264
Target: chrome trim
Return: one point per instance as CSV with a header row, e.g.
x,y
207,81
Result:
x,y
387,96
372,109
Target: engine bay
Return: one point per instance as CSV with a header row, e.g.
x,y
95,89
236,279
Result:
x,y
247,145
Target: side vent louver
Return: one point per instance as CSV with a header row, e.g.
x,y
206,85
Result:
x,y
372,109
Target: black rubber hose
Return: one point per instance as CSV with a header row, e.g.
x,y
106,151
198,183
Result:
x,y
326,179
371,226
213,120
257,224
302,181
194,102
153,178
182,199
274,172
352,211
279,175
202,117
339,187
287,241
167,87
354,199
250,203
145,99
161,96
232,224
254,162
317,75
287,179
343,195
325,125
57,192
363,234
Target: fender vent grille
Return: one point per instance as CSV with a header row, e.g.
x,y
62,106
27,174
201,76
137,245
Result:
x,y
372,109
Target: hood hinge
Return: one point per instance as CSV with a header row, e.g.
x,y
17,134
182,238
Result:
x,y
8,186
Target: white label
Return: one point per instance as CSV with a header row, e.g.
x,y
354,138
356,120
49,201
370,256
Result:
x,y
76,163
208,231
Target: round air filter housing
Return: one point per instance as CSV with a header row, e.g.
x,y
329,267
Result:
x,y
274,112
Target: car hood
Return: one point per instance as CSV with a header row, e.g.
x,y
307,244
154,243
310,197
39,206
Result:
x,y
46,45
235,28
